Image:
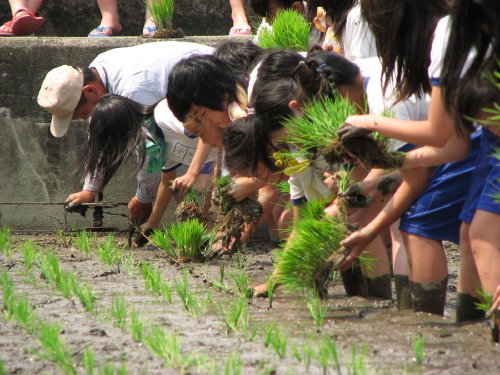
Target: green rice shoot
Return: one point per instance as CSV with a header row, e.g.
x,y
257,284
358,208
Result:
x,y
88,360
314,241
191,238
290,31
162,13
6,247
53,347
318,127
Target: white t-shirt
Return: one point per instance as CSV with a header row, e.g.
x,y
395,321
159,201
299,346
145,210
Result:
x,y
141,72
179,148
358,39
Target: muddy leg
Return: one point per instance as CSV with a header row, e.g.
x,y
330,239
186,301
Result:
x,y
403,297
379,287
354,281
467,310
429,297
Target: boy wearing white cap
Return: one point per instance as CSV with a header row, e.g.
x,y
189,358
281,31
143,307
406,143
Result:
x,y
139,73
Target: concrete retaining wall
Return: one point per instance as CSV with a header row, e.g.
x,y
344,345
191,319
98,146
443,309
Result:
x,y
37,167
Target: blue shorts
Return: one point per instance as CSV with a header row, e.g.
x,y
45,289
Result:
x,y
435,213
486,180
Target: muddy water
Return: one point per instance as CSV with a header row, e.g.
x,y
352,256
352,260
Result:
x,y
374,326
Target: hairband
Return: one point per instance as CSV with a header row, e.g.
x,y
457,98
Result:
x,y
320,67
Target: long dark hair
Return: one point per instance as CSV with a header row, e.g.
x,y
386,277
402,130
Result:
x,y
204,80
261,7
403,31
114,134
466,87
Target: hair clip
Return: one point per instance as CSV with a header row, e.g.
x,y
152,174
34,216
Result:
x,y
250,111
320,68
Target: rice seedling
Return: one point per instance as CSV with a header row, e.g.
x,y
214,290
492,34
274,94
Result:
x,y
418,344
30,255
486,303
276,339
111,369
8,293
166,292
119,311
168,347
109,253
327,355
248,329
88,361
152,278
161,239
358,364
162,13
316,133
307,354
23,313
84,293
3,371
51,270
6,247
234,364
191,302
191,238
53,347
130,265
233,314
283,187
314,209
136,326
316,308
310,255
290,31
271,286
182,288
240,280
84,241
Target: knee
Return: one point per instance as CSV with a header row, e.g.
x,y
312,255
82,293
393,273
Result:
x,y
138,211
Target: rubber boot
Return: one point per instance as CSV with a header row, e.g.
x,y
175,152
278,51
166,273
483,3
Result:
x,y
402,286
379,287
429,297
467,310
354,282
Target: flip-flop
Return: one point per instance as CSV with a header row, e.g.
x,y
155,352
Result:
x,y
240,31
26,23
100,32
6,29
149,31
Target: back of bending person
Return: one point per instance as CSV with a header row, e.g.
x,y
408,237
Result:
x,y
437,130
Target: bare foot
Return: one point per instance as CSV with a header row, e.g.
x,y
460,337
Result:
x,y
260,291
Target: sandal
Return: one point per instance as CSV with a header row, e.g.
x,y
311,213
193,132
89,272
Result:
x,y
6,29
102,32
26,23
149,31
240,31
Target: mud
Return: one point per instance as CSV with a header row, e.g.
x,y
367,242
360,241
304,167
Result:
x,y
375,326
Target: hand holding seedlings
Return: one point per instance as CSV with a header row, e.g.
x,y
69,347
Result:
x,y
349,131
356,243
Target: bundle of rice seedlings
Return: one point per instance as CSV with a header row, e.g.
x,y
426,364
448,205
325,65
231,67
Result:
x,y
316,132
290,31
311,253
161,239
191,207
232,216
191,239
162,13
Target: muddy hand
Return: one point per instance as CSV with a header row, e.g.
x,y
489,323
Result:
x,y
145,231
347,132
356,243
355,197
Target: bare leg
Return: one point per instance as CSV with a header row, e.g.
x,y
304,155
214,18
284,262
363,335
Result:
x,y
109,15
138,211
400,268
31,5
428,273
149,24
240,21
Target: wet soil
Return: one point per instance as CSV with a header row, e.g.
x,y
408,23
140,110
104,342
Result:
x,y
372,325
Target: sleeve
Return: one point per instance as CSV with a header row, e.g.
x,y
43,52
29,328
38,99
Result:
x,y
438,50
296,193
358,39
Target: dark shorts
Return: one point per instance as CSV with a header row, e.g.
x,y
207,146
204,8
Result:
x,y
435,213
486,180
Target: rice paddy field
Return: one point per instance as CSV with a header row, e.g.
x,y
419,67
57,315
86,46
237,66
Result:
x,y
89,305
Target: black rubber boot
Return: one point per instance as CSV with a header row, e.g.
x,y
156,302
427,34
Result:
x,y
354,282
379,287
402,286
467,310
429,297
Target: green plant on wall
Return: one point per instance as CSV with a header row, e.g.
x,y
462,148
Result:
x,y
290,30
162,13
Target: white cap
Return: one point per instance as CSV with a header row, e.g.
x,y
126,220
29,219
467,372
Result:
x,y
60,93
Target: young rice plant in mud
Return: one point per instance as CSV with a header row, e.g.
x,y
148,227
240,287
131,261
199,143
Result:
x,y
234,364
306,355
110,253
162,12
8,293
161,239
54,274
119,311
6,247
311,255
23,313
316,308
88,361
84,241
233,314
271,286
316,134
84,293
53,347
358,364
327,355
418,344
290,31
191,238
112,369
191,302
3,371
136,326
240,280
30,255
276,339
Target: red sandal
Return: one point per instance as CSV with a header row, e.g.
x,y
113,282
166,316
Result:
x,y
6,29
26,23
